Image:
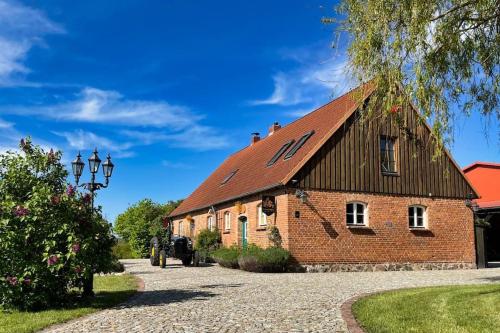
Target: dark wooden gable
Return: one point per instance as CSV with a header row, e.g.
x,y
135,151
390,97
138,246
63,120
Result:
x,y
350,161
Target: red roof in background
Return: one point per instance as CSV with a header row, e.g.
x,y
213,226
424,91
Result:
x,y
254,175
485,177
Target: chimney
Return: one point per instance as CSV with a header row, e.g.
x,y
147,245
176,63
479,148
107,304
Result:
x,y
255,138
274,127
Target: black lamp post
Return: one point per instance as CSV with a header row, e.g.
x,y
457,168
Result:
x,y
107,168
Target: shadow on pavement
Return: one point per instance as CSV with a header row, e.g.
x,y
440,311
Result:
x,y
162,297
228,285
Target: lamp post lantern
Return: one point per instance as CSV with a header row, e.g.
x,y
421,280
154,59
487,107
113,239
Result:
x,y
77,167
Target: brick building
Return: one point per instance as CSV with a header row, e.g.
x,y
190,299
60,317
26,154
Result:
x,y
349,194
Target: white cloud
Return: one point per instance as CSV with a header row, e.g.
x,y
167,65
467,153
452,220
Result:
x,y
318,76
195,137
94,105
160,122
308,83
10,138
82,140
198,137
5,125
21,28
177,165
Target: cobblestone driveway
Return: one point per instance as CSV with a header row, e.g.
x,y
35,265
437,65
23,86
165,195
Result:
x,y
214,299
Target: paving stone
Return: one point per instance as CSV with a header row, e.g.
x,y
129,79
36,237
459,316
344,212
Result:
x,y
214,299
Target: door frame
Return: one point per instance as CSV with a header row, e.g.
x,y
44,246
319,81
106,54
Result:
x,y
243,226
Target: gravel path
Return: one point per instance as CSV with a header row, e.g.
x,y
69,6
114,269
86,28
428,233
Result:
x,y
215,299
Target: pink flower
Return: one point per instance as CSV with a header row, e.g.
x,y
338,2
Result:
x,y
53,259
78,269
12,280
76,247
55,200
70,191
20,211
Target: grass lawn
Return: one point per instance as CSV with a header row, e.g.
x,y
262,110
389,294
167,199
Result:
x,y
437,309
110,290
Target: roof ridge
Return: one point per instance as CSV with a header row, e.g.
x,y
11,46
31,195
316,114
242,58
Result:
x,y
477,163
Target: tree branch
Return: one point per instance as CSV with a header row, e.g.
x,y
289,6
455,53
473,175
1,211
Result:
x,y
451,10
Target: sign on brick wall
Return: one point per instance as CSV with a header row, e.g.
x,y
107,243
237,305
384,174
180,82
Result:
x,y
268,204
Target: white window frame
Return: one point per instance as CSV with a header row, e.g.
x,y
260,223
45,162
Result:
x,y
210,222
355,214
181,228
415,217
227,221
261,217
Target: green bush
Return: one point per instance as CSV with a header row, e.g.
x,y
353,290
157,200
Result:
x,y
49,237
269,260
123,250
227,256
274,259
207,240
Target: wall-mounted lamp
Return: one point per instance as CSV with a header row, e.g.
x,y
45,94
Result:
x,y
302,195
471,204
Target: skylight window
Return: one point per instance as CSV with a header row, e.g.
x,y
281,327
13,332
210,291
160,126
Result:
x,y
280,152
299,144
228,177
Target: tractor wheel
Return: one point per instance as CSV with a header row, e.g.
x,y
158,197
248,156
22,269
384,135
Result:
x,y
154,251
187,261
163,259
196,259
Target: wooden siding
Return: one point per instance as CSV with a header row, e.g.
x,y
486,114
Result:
x,y
350,161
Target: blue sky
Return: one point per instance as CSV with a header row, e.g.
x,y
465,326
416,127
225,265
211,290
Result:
x,y
170,88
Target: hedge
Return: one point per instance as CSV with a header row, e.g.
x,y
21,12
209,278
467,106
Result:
x,y
253,258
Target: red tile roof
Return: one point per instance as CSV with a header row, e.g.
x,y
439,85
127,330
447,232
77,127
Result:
x,y
485,177
254,175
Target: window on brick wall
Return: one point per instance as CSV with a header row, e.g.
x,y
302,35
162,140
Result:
x,y
417,216
261,217
181,228
191,228
356,214
227,221
210,223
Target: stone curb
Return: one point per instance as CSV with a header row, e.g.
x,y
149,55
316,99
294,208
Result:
x,y
140,288
348,316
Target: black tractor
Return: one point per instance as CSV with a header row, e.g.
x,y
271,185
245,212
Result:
x,y
173,246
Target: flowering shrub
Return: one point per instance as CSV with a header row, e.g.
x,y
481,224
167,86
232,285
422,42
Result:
x,y
49,239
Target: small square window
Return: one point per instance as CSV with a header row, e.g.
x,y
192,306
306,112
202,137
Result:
x,y
356,214
417,216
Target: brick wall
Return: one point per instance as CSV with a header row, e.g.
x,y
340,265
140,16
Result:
x,y
321,235
256,234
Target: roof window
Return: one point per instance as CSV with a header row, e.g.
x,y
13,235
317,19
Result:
x,y
280,152
299,144
228,177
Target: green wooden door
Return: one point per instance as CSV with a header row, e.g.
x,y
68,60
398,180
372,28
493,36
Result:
x,y
244,233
